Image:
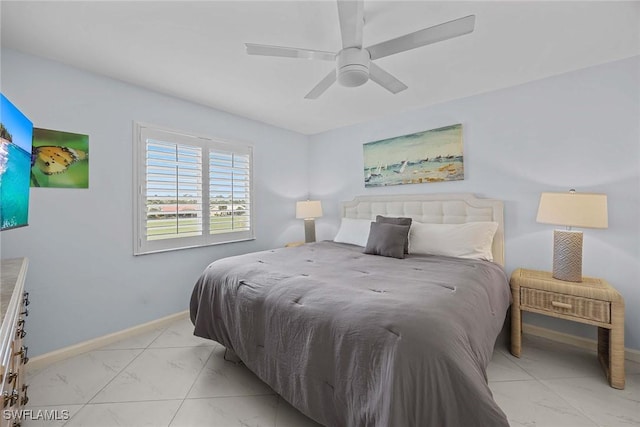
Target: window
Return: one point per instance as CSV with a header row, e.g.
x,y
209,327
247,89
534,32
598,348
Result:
x,y
189,190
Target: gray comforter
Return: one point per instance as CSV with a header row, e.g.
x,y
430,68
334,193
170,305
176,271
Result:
x,y
361,340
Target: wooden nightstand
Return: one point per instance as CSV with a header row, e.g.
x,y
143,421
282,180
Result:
x,y
293,244
592,301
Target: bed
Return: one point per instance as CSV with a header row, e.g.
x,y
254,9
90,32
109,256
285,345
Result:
x,y
359,340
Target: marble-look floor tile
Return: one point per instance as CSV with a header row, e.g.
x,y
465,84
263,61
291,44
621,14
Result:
x,y
501,368
147,387
530,403
48,416
502,347
180,334
288,416
127,414
78,379
605,405
631,368
545,359
222,378
248,411
157,374
137,341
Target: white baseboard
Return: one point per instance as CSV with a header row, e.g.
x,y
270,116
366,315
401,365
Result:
x,y
629,354
95,343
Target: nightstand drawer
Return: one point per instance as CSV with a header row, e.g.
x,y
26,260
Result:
x,y
584,308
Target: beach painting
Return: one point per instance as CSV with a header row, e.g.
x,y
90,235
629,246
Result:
x,y
429,156
59,159
15,162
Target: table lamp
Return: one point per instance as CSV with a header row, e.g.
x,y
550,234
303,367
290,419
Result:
x,y
309,210
588,210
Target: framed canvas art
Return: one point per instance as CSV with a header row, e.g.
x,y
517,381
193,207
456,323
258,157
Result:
x,y
15,165
59,159
429,156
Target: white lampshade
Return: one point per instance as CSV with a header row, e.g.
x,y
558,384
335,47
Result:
x,y
308,209
587,210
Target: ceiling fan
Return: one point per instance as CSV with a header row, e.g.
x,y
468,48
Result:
x,y
354,63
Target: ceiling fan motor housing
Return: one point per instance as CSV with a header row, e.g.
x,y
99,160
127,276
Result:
x,y
353,66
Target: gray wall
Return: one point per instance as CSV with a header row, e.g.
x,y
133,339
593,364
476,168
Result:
x,y
577,130
84,280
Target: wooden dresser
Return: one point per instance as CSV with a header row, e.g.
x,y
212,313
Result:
x,y
13,355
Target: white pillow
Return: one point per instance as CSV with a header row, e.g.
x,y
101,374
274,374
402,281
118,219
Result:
x,y
353,231
468,240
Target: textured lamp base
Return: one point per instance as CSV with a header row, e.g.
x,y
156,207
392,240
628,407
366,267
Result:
x,y
567,255
309,230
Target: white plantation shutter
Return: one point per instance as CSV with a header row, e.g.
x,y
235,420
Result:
x,y
173,190
229,192
174,208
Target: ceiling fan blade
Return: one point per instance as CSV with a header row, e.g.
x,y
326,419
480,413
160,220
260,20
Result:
x,y
288,52
385,79
322,86
437,33
351,15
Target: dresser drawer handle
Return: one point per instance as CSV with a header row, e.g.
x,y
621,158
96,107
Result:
x,y
561,304
10,399
11,376
25,398
23,354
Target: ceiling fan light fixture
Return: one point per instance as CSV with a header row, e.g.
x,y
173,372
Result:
x,y
353,75
353,67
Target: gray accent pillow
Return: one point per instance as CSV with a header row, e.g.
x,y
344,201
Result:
x,y
397,221
387,239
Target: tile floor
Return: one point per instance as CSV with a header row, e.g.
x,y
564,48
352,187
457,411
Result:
x,y
168,377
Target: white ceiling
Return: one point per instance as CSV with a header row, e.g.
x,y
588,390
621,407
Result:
x,y
195,50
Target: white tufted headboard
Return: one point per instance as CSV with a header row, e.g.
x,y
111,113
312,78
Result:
x,y
445,208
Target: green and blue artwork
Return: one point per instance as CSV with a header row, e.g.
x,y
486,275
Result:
x,y
15,155
59,159
430,156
